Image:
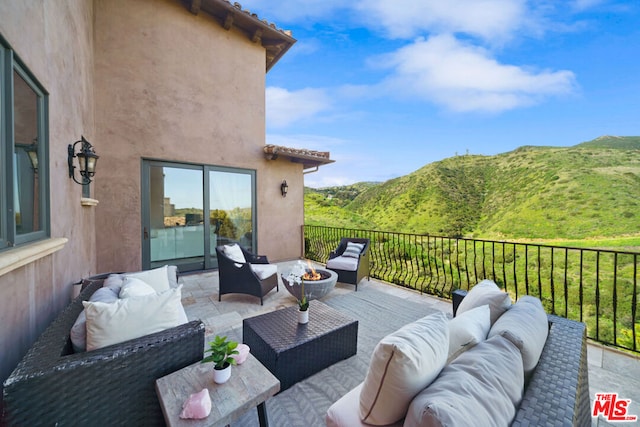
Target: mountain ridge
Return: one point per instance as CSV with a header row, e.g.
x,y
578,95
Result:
x,y
589,189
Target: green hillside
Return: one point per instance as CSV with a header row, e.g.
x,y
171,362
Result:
x,y
591,190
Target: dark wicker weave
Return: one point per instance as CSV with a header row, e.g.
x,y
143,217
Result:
x,y
112,386
557,393
353,277
293,352
239,278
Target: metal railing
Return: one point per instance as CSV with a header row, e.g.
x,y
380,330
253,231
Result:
x,y
594,286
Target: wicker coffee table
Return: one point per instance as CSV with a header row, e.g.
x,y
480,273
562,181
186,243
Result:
x,y
293,352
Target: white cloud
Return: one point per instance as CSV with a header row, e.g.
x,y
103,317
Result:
x,y
284,107
486,19
463,77
293,10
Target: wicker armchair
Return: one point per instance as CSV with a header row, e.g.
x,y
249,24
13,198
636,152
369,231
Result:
x,y
114,385
363,266
240,278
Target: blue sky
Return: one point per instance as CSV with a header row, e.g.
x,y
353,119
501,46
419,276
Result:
x,y
388,86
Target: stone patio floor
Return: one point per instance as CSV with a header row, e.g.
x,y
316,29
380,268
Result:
x,y
610,370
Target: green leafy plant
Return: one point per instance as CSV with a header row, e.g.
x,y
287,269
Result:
x,y
221,351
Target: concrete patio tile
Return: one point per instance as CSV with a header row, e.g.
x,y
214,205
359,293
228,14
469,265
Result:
x,y
609,370
594,354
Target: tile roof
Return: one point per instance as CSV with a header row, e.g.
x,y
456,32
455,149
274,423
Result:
x,y
275,41
308,158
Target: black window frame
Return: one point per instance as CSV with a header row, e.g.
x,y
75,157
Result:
x,y
9,237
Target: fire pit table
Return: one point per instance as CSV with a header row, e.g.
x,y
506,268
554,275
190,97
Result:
x,y
313,288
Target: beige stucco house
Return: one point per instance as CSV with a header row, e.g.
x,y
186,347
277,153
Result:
x,y
171,94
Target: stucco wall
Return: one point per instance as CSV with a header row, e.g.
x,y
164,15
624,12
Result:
x,y
54,40
175,86
139,79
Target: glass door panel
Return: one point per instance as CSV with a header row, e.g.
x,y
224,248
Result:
x,y
231,208
176,212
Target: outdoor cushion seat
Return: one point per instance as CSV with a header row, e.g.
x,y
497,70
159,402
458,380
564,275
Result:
x,y
351,251
241,272
264,271
343,263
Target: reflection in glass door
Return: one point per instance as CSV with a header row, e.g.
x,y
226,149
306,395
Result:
x,y
190,209
231,203
176,227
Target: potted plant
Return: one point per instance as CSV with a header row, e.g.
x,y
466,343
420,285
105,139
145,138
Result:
x,y
221,351
296,277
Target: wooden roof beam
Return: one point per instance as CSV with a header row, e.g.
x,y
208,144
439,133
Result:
x,y
228,21
195,6
257,35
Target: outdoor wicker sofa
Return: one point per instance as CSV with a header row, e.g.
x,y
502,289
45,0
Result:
x,y
557,393
113,385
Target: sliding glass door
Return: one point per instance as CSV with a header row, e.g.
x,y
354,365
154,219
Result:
x,y
190,209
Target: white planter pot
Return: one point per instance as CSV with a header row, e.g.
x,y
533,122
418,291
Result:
x,y
221,376
303,316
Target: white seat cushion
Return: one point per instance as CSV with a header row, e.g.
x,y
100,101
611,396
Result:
x,y
344,412
468,329
343,263
482,387
526,325
264,270
403,363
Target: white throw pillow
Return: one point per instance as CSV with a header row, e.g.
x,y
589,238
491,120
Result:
x,y
526,325
133,287
403,363
132,317
158,278
234,253
467,330
353,250
486,292
482,387
78,333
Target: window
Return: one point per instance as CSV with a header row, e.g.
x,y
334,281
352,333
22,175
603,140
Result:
x,y
24,207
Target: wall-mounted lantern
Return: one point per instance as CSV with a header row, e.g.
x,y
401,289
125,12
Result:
x,y
87,159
